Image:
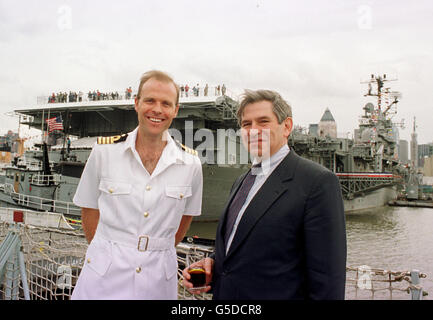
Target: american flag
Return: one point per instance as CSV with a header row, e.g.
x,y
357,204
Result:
x,y
54,124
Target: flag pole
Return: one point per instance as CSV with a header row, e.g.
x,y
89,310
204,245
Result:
x,y
46,140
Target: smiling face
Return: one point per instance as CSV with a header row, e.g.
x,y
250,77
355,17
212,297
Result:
x,y
262,135
156,107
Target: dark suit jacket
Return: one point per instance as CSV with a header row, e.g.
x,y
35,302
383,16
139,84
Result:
x,y
291,240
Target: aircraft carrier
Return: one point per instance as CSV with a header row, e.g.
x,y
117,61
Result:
x,y
46,178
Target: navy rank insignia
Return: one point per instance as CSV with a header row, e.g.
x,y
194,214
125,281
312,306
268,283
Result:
x,y
113,139
186,149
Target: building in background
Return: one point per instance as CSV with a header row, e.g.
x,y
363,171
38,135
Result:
x,y
313,129
414,146
428,167
327,126
403,152
424,151
10,146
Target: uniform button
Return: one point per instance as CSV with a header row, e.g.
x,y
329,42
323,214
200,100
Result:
x,y
88,260
181,195
138,269
111,190
148,188
146,214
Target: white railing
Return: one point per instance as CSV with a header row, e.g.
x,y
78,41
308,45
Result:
x,y
84,98
43,204
45,180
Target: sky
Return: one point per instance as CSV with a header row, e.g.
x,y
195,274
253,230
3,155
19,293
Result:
x,y
314,53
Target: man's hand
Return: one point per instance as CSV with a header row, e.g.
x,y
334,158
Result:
x,y
207,263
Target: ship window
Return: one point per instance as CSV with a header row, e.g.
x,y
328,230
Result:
x,y
22,178
17,178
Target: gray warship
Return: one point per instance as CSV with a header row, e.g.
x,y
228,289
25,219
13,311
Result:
x,y
45,179
367,166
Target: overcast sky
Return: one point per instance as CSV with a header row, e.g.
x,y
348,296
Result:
x,y
315,53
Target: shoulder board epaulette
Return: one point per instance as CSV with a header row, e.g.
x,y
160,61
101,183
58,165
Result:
x,y
113,139
186,149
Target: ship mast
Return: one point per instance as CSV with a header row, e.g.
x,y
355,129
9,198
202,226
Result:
x,y
380,131
379,82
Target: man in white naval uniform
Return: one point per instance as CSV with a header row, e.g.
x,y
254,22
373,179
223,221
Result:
x,y
138,196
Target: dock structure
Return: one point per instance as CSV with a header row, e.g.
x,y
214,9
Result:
x,y
412,203
355,184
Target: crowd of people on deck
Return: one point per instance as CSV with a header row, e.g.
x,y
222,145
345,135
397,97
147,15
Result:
x,y
195,91
62,97
96,95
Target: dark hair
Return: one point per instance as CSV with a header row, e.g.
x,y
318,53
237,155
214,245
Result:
x,y
279,106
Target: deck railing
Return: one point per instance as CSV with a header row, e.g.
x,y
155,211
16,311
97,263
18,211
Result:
x,y
38,203
41,257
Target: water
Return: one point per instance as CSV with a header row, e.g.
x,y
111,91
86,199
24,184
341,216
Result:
x,y
391,238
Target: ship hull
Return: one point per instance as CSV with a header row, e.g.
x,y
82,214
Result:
x,y
371,200
217,183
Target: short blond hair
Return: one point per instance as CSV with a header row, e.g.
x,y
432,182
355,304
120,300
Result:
x,y
160,76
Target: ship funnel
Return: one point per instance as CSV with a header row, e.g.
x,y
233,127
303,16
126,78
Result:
x,y
45,160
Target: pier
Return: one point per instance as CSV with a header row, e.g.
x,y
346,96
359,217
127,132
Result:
x,y
412,203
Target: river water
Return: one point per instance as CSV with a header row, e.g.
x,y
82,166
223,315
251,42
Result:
x,y
390,238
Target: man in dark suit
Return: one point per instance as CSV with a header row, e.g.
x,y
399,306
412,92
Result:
x,y
282,234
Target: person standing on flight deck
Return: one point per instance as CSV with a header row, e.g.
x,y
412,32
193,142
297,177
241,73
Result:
x,y
138,194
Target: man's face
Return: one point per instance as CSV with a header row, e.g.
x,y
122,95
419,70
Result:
x,y
156,107
262,135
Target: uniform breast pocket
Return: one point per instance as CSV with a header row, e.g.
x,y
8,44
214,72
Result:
x,y
177,195
115,196
114,188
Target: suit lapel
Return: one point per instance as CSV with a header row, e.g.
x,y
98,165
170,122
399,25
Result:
x,y
275,185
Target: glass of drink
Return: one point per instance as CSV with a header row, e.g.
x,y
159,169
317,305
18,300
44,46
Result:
x,y
198,277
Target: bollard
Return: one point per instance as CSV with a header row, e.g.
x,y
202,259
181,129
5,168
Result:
x,y
416,289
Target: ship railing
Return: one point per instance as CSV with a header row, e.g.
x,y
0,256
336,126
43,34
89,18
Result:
x,y
364,282
45,180
43,204
41,258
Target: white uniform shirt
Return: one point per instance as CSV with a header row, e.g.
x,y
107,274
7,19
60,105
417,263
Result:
x,y
262,174
134,204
